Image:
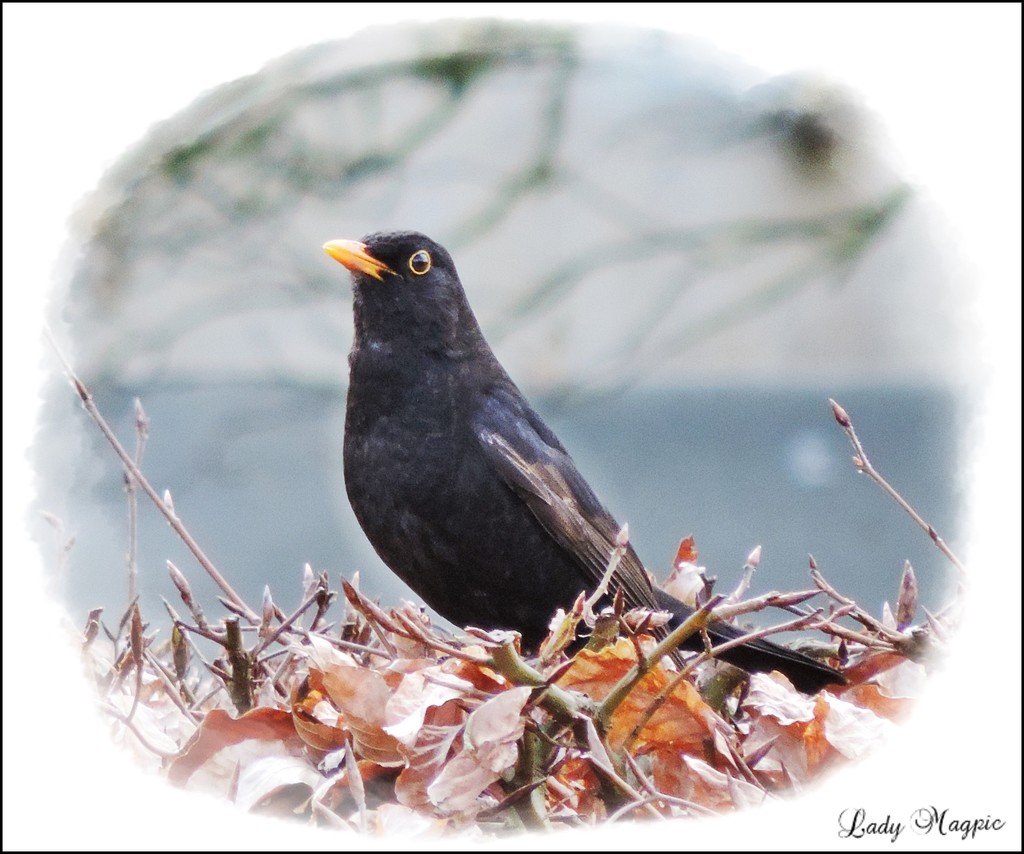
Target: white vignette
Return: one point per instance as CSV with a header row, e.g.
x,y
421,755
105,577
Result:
x,y
946,80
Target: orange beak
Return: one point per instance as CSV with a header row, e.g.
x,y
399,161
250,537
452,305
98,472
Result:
x,y
352,255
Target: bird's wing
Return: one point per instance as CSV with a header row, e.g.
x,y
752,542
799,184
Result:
x,y
531,460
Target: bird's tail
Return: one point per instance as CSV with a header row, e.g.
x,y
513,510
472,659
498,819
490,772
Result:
x,y
760,655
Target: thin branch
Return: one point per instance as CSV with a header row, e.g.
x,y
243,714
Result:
x,y
894,637
814,620
601,761
169,687
408,628
141,435
863,464
163,754
373,615
652,799
286,625
164,507
695,622
352,646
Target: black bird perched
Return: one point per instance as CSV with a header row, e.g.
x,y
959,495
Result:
x,y
462,489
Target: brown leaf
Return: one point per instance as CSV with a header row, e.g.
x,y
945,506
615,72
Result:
x,y
816,745
871,665
891,694
416,693
361,695
575,787
490,746
851,730
869,696
219,730
441,728
315,718
809,734
687,551
264,777
461,782
779,717
683,720
497,724
775,696
695,780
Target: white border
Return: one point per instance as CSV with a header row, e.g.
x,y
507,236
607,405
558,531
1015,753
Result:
x,y
81,82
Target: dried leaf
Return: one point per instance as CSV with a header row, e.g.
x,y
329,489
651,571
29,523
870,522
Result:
x,y
906,680
683,720
480,676
575,788
316,720
441,728
871,665
406,708
362,695
686,582
494,728
775,696
354,778
780,717
870,696
816,744
695,780
687,551
219,730
851,730
264,776
461,782
490,746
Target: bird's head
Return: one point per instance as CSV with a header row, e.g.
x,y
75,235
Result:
x,y
406,289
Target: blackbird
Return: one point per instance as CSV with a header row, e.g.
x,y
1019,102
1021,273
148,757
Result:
x,y
462,489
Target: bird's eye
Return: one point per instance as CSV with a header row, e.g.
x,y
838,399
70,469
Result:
x,y
419,262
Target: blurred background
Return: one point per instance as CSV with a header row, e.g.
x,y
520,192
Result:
x,y
677,257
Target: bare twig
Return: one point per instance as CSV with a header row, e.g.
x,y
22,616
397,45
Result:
x,y
374,615
621,544
854,610
351,646
601,761
185,591
169,687
240,685
141,435
863,464
774,599
164,507
506,661
646,802
695,622
814,620
753,559
130,724
286,625
408,628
